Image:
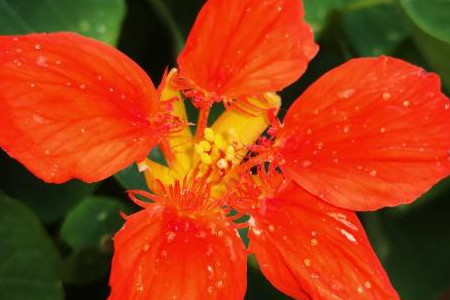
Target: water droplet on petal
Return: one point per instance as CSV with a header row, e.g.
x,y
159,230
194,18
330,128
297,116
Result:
x,y
406,103
38,47
386,96
219,284
367,285
306,163
170,236
346,93
373,173
17,62
307,262
314,242
348,235
42,61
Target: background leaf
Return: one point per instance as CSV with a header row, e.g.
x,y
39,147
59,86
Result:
x,y
430,28
100,19
370,37
414,248
317,12
50,202
30,264
92,223
432,16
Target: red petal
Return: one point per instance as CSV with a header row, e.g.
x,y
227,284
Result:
x,y
239,48
72,107
161,255
306,246
373,132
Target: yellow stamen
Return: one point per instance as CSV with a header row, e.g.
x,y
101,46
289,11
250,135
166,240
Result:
x,y
155,171
229,153
206,158
206,146
245,128
179,149
209,134
219,142
222,164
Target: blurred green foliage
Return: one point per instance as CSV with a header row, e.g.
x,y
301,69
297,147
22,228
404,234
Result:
x,y
60,236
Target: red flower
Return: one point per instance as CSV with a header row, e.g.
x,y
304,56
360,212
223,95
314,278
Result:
x,y
374,132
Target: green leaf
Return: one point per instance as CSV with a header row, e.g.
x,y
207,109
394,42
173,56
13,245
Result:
x,y
431,32
100,19
431,16
317,12
30,264
50,202
93,223
85,266
414,248
370,37
436,53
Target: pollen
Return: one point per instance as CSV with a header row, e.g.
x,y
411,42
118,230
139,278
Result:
x,y
209,134
229,153
206,158
202,146
219,142
222,164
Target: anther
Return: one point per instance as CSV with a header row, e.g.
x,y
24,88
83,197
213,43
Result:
x,y
222,164
209,134
219,142
229,153
206,158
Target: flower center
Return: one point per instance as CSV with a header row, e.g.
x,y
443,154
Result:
x,y
201,167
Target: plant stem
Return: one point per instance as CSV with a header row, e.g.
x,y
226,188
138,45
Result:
x,y
164,12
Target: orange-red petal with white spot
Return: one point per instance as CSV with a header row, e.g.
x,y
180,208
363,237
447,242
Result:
x,y
310,249
246,47
72,107
371,133
162,255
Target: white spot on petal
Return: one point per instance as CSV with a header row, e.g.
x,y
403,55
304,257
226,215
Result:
x,y
348,235
346,93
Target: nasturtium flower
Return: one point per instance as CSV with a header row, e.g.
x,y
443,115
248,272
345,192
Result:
x,y
374,132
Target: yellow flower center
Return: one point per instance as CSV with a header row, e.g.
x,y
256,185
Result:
x,y
213,155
